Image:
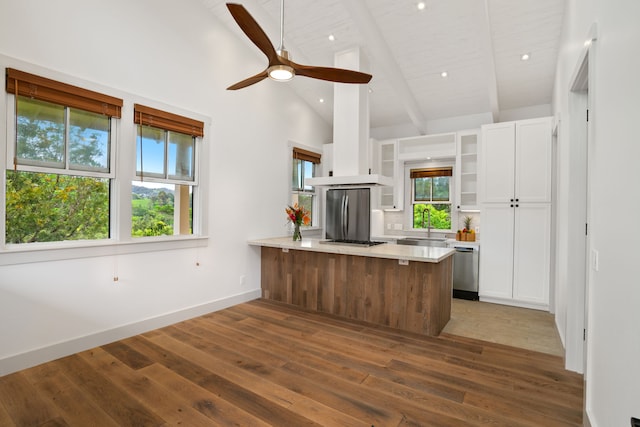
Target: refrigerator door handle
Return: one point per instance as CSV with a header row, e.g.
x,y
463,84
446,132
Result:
x,y
345,216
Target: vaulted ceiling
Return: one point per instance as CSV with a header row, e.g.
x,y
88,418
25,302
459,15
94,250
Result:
x,y
478,43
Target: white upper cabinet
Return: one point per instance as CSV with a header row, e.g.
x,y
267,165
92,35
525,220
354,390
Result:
x,y
516,161
498,163
468,146
533,160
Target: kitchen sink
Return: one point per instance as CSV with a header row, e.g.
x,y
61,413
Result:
x,y
438,242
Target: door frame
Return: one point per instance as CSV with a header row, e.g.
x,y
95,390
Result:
x,y
579,258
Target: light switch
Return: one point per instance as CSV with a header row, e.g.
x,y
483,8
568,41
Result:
x,y
403,261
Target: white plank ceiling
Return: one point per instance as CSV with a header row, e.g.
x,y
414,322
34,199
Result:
x,y
479,43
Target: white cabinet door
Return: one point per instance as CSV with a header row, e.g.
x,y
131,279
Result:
x,y
496,253
498,163
533,161
531,259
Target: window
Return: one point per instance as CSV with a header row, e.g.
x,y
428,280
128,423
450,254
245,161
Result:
x,y
163,193
431,198
304,166
59,180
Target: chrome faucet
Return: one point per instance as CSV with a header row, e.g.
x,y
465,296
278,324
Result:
x,y
428,227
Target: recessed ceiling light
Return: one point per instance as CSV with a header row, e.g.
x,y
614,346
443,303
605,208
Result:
x,y
525,57
587,43
321,100
444,74
421,5
332,37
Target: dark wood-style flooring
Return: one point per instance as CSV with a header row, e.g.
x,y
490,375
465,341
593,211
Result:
x,y
263,363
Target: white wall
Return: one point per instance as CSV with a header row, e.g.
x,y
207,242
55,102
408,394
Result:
x,y
613,371
531,112
178,54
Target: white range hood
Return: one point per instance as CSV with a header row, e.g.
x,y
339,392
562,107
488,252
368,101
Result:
x,y
350,130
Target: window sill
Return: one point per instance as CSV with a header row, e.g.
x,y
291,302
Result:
x,y
42,252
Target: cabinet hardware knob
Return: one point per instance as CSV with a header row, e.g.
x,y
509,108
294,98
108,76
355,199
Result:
x,y
512,205
511,200
517,200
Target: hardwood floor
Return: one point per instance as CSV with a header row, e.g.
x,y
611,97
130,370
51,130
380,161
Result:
x,y
263,363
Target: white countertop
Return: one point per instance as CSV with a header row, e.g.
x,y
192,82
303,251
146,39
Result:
x,y
386,250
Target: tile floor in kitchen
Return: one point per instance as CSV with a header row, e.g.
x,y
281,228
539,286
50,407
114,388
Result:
x,y
503,324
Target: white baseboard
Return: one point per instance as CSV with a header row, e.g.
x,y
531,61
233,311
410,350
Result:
x,y
515,303
45,354
586,422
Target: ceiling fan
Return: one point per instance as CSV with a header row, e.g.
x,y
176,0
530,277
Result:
x,y
280,67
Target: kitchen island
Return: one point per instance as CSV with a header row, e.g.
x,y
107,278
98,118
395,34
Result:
x,y
403,287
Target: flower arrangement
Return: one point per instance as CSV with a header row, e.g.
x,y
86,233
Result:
x,y
298,215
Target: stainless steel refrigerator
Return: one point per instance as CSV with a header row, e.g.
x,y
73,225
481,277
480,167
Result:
x,y
348,216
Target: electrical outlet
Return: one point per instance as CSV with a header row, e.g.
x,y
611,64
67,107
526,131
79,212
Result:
x,y
397,226
285,250
403,261
242,280
389,226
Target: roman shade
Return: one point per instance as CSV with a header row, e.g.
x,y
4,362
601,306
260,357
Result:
x,y
167,121
430,172
309,156
41,88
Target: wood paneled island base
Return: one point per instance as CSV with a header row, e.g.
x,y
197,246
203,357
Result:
x,y
414,297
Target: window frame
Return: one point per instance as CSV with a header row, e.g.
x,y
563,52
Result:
x,y
122,172
153,178
409,199
196,221
316,219
34,167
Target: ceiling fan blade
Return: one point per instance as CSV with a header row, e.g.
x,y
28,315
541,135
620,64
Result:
x,y
249,81
331,74
251,28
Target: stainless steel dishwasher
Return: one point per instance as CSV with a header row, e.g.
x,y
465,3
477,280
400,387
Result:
x,y
465,271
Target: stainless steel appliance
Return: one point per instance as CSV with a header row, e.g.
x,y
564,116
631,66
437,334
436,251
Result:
x,y
465,271
348,217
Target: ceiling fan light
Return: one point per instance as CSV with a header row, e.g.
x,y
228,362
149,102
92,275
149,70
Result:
x,y
281,73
